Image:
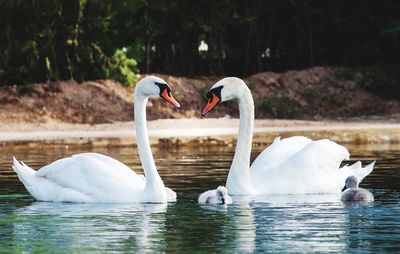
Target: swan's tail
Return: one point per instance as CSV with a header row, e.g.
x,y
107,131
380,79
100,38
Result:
x,y
357,170
24,172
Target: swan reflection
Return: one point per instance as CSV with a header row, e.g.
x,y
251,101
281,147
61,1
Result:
x,y
74,226
299,222
230,226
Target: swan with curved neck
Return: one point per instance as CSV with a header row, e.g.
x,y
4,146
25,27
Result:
x,y
93,177
295,165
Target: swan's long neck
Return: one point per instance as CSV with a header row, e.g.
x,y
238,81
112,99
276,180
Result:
x,y
154,189
239,180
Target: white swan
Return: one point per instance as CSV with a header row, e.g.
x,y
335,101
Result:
x,y
295,165
93,177
215,197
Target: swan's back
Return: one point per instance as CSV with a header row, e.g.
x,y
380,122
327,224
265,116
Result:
x,y
82,178
94,167
313,168
319,156
278,151
43,189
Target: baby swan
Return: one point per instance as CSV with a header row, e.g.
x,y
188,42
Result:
x,y
214,197
355,194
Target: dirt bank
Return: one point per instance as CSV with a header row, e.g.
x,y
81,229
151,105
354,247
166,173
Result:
x,y
316,93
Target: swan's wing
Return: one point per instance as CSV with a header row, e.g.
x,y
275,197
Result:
x,y
313,169
279,151
319,158
357,170
42,188
111,162
320,155
118,169
92,177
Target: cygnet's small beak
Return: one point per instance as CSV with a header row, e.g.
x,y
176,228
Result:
x,y
344,188
168,97
223,200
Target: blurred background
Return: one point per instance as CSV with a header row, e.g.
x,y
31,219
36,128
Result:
x,y
356,42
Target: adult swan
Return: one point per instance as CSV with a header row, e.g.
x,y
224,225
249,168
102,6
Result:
x,y
295,165
93,177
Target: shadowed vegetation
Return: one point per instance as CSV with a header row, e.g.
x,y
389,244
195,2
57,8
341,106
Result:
x,y
90,39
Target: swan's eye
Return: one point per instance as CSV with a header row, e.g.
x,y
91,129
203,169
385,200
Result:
x,y
215,92
209,96
214,97
163,87
165,93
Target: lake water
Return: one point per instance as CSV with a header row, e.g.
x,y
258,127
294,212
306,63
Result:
x,y
301,223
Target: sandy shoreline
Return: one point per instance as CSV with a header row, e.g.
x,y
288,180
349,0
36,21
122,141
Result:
x,y
194,131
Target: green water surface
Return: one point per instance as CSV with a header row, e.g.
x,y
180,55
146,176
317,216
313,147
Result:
x,y
281,224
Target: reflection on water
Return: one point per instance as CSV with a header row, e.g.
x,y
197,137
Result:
x,y
297,223
46,226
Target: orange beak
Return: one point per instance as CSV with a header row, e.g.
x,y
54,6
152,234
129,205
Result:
x,y
168,97
210,105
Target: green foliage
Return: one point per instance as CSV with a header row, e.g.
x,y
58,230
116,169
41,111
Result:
x,y
382,80
310,92
281,106
122,68
393,29
345,73
58,40
24,89
80,39
269,105
372,78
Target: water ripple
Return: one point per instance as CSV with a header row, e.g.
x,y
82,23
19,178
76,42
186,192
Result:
x,y
281,224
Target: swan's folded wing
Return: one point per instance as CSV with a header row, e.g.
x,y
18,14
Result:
x,y
90,176
313,169
318,156
111,162
279,151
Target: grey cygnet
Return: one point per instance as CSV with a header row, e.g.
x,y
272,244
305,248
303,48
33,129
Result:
x,y
355,194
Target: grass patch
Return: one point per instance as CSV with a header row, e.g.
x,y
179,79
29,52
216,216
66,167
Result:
x,y
281,106
383,81
345,73
25,89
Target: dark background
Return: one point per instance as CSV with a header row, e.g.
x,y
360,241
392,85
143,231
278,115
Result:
x,y
83,40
